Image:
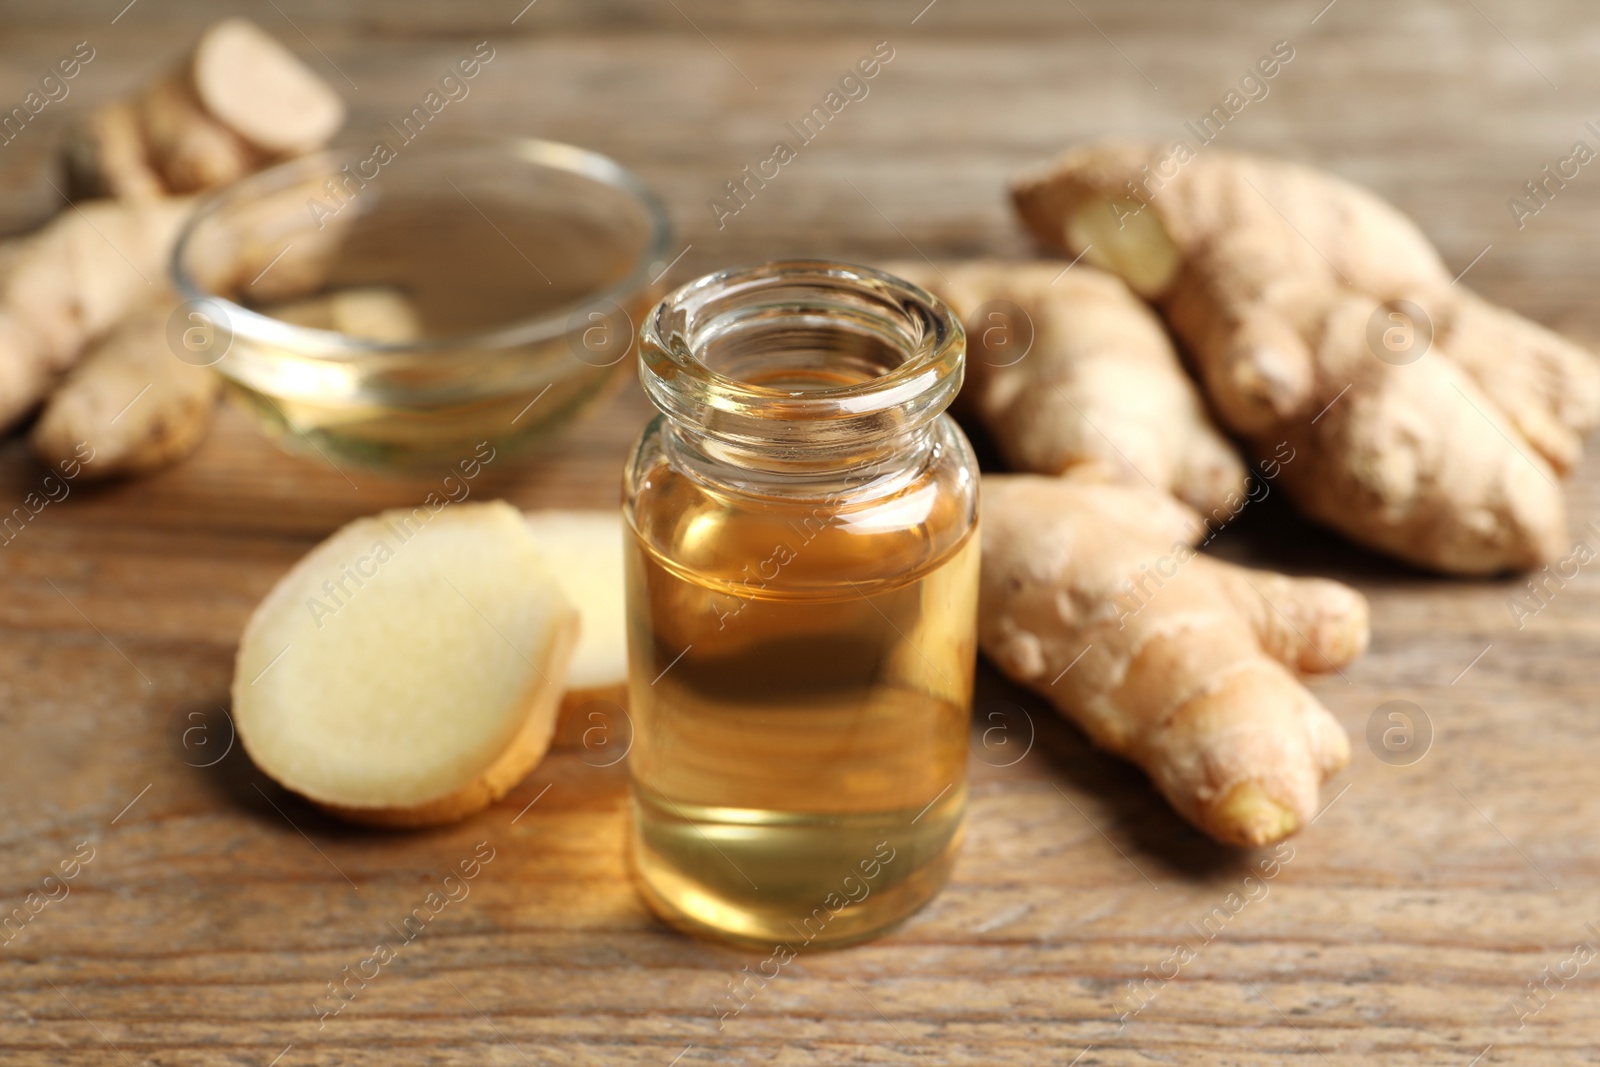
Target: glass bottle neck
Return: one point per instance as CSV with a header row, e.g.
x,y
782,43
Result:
x,y
802,375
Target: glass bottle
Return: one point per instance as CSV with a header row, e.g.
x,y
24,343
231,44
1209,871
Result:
x,y
802,596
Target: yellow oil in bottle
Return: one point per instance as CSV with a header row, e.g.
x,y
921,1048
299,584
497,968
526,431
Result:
x,y
800,682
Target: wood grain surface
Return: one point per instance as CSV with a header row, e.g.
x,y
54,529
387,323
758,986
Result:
x,y
1403,930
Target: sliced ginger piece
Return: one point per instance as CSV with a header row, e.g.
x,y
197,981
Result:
x,y
260,90
378,314
373,313
1186,662
585,552
1086,382
408,670
1426,422
584,549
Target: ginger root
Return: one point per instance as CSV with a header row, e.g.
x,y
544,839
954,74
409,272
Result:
x,y
407,671
68,283
1071,373
1094,596
239,100
136,404
189,149
1429,423
106,155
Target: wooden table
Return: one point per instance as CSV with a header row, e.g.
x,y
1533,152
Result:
x,y
1413,913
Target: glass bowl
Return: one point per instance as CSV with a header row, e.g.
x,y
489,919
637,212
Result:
x,y
401,305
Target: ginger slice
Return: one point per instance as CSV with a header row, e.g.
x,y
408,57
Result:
x,y
378,314
407,671
584,549
260,90
131,401
374,313
1186,662
1071,372
1427,423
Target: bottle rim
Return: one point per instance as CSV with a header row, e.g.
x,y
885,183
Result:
x,y
909,321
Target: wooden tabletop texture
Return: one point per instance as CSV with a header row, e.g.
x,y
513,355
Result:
x,y
210,909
